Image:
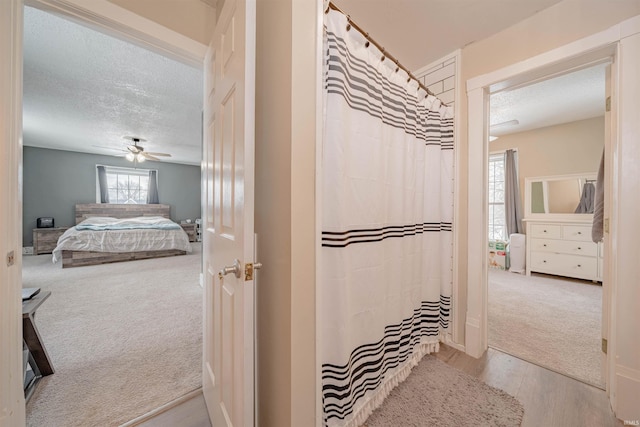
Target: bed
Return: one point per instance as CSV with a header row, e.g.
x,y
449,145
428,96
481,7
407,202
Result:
x,y
106,233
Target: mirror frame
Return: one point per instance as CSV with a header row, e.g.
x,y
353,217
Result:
x,y
566,216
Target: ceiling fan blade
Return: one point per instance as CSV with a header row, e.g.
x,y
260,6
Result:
x,y
134,149
158,154
149,156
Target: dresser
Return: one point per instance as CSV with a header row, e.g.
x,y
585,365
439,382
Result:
x,y
563,248
45,240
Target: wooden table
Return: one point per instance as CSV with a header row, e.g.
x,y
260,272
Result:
x,y
32,337
45,240
190,229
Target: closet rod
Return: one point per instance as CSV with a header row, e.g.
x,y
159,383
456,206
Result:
x,y
385,54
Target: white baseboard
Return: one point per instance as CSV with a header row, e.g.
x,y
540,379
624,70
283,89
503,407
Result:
x,y
627,392
473,338
449,341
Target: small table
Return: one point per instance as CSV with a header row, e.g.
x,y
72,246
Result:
x,y
45,240
190,229
30,333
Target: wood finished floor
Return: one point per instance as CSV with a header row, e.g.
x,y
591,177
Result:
x,y
549,399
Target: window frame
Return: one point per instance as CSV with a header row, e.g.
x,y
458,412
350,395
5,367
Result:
x,y
124,171
491,218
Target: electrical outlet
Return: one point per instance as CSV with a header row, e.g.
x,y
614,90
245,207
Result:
x,y
27,250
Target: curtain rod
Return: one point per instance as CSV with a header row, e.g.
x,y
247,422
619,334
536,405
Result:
x,y
385,54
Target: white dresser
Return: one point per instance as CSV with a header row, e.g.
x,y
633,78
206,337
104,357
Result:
x,y
564,248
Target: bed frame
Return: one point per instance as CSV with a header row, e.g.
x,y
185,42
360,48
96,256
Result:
x,y
86,210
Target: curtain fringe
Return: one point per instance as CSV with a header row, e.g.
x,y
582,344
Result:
x,y
374,401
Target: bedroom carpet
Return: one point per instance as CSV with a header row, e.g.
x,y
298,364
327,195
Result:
x,y
549,321
124,338
436,394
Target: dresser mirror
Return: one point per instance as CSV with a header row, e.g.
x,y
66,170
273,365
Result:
x,y
560,195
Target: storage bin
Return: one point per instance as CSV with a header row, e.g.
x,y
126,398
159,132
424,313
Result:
x,y
517,244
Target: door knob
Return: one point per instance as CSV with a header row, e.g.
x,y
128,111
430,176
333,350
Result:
x,y
235,269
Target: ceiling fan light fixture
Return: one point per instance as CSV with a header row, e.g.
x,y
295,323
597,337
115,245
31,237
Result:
x,y
140,158
130,156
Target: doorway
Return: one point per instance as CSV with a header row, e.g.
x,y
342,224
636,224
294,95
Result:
x,y
554,63
551,136
117,270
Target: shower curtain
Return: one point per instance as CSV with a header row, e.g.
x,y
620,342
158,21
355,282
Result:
x,y
387,197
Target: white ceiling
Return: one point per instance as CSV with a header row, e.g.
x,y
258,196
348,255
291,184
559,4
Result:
x,y
576,96
84,90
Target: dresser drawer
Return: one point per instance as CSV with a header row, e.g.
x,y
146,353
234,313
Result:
x,y
576,232
565,265
571,247
551,231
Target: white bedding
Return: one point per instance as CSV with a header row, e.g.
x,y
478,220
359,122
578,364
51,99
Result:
x,y
123,240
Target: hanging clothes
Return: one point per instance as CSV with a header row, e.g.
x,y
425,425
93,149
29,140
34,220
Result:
x,y
387,245
586,203
597,230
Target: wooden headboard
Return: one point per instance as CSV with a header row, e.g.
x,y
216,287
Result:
x,y
86,210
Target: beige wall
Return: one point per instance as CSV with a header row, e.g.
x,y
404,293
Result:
x,y
191,18
273,217
556,26
556,150
285,211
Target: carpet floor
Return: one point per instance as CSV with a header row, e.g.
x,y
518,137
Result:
x,y
124,338
436,394
547,320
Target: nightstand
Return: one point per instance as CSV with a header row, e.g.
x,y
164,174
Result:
x,y
190,229
46,239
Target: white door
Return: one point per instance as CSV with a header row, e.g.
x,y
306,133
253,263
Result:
x,y
604,247
11,394
228,153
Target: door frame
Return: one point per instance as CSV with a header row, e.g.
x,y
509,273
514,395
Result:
x,y
579,54
112,20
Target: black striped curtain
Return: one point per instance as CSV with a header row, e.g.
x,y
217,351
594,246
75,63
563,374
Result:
x,y
387,197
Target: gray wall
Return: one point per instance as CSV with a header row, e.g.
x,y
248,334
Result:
x,y
55,180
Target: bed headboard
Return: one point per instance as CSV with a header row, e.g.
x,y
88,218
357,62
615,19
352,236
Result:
x,y
86,210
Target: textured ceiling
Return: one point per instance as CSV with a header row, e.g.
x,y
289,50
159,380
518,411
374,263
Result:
x,y
83,89
576,96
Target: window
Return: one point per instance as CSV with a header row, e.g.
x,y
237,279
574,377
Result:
x,y
126,185
497,218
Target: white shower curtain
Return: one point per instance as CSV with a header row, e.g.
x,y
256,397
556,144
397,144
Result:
x,y
387,196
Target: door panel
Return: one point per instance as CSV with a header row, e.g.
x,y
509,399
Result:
x,y
228,150
12,411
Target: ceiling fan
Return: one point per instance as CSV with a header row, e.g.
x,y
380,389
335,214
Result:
x,y
136,152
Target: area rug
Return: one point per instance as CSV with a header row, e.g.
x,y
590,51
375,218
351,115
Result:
x,y
124,338
436,394
549,321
